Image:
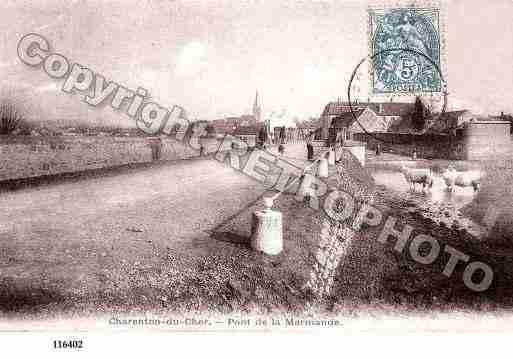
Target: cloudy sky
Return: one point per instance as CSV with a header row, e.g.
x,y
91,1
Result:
x,y
211,56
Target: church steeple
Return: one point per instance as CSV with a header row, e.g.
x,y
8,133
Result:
x,y
257,111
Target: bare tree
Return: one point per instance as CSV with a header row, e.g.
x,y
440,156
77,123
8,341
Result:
x,y
15,104
11,117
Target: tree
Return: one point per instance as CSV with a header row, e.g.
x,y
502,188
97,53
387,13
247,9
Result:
x,y
419,115
11,117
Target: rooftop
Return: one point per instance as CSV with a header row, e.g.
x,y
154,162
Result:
x,y
380,108
230,124
247,130
346,119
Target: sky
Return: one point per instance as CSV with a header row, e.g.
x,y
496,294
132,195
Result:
x,y
210,57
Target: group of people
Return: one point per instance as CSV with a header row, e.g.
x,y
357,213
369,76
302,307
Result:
x,y
333,142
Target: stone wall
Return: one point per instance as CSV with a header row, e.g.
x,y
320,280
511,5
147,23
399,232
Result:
x,y
479,140
427,146
26,156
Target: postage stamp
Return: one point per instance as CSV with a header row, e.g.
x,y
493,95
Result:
x,y
405,46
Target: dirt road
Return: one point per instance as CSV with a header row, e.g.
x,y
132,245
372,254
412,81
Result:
x,y
64,236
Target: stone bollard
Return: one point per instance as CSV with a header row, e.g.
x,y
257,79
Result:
x,y
322,171
304,190
331,158
266,230
338,153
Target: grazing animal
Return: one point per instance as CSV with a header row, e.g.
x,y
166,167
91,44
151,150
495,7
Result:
x,y
423,176
462,179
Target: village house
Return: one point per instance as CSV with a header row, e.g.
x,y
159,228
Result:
x,y
504,117
451,121
248,134
452,134
230,125
247,128
372,116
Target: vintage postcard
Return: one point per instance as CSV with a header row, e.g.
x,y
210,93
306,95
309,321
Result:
x,y
250,167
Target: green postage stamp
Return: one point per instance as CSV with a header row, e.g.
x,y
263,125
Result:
x,y
406,45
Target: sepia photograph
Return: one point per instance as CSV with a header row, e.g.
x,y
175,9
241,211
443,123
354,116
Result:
x,y
254,166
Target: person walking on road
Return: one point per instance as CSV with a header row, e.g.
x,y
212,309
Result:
x,y
309,150
281,149
156,148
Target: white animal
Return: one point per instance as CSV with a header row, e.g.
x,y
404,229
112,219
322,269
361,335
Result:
x,y
423,176
462,179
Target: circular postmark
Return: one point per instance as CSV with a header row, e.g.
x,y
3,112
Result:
x,y
407,67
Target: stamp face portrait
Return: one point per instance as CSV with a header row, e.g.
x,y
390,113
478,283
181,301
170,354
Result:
x,y
405,45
